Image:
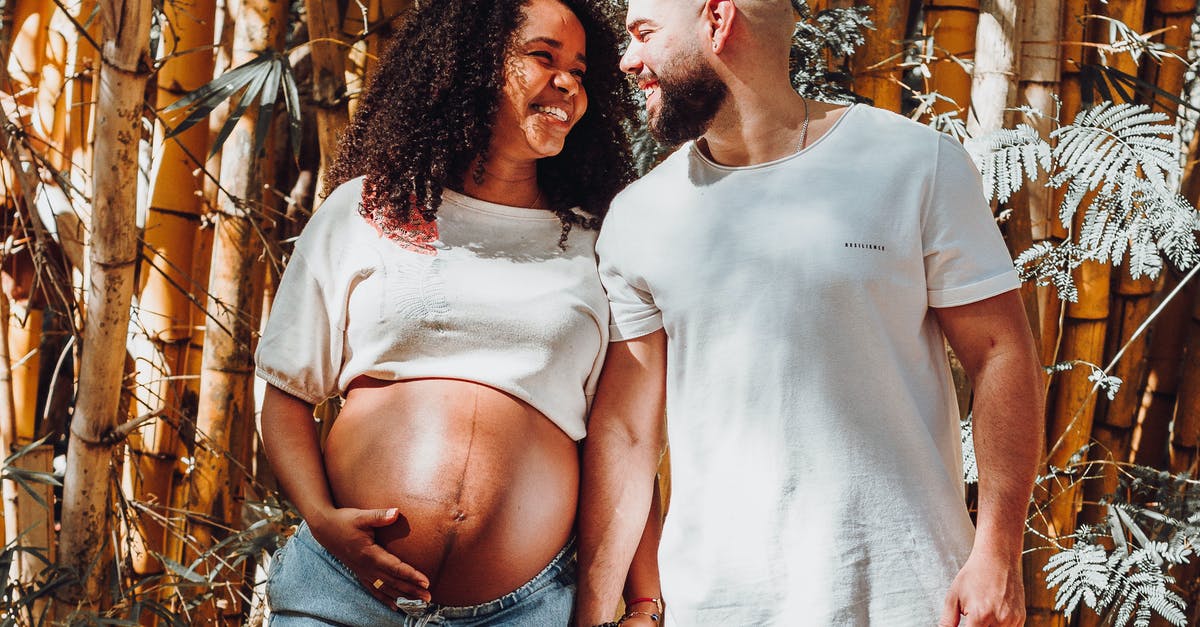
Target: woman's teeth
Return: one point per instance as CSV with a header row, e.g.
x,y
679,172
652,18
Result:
x,y
555,112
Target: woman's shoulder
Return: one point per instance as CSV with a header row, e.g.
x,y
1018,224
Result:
x,y
339,211
337,225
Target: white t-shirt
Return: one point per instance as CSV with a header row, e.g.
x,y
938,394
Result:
x,y
815,450
491,298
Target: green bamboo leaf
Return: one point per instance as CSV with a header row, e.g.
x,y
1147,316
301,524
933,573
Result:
x,y
28,488
233,76
36,476
202,101
291,97
266,108
24,450
248,97
179,569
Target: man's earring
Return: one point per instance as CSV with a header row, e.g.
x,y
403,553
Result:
x,y
714,46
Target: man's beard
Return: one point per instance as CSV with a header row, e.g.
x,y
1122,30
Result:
x,y
687,102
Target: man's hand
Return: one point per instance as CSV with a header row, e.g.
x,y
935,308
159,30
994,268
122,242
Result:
x,y
986,593
349,534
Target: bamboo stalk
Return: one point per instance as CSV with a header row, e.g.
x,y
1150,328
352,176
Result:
x,y
49,117
329,82
358,17
31,24
1158,395
993,83
993,93
952,23
1082,337
1071,412
27,523
226,405
1185,436
24,340
875,76
166,307
1175,17
112,255
1131,302
67,85
79,92
1040,28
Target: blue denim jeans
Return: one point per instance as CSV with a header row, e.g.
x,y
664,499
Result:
x,y
307,586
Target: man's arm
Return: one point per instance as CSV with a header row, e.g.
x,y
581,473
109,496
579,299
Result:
x,y
620,458
994,343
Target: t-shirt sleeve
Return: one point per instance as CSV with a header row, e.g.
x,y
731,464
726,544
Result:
x,y
300,351
632,312
966,260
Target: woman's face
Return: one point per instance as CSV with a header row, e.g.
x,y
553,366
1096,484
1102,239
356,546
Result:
x,y
543,94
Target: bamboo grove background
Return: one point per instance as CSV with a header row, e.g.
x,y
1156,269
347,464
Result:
x,y
159,158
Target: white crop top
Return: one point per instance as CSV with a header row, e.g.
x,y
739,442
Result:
x,y
488,296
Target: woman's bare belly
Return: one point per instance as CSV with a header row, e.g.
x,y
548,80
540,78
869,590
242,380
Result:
x,y
485,484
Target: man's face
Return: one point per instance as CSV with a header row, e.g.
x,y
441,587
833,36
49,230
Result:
x,y
667,57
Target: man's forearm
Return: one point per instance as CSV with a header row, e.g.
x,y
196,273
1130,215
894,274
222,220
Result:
x,y
1008,427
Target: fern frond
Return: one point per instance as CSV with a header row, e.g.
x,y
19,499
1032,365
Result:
x,y
1008,156
1113,143
1047,264
1079,573
1076,190
1141,219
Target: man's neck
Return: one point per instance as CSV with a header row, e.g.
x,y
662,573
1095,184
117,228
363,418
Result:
x,y
756,126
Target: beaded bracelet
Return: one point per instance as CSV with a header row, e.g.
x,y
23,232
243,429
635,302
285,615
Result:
x,y
651,615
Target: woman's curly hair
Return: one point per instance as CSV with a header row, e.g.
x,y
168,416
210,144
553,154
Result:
x,y
428,111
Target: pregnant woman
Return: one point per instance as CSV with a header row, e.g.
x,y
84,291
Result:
x,y
447,289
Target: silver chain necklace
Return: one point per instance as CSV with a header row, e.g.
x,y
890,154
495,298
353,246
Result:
x,y
804,126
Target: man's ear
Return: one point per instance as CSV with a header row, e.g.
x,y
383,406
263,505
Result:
x,y
720,15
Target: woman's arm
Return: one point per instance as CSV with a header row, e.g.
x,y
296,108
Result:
x,y
620,456
643,593
291,444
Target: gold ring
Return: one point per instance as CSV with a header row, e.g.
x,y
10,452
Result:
x,y
378,584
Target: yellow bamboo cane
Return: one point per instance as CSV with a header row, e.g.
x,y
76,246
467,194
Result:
x,y
226,405
329,82
1185,435
1168,336
358,18
85,518
1039,600
1039,66
952,23
876,68
1134,298
27,523
167,289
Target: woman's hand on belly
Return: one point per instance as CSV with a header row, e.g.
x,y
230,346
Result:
x,y
349,534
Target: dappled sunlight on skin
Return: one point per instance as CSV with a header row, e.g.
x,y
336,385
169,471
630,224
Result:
x,y
544,67
471,468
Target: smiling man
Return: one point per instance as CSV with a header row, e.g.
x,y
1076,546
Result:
x,y
784,284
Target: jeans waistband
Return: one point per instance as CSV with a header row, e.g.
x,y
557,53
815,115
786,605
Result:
x,y
561,562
